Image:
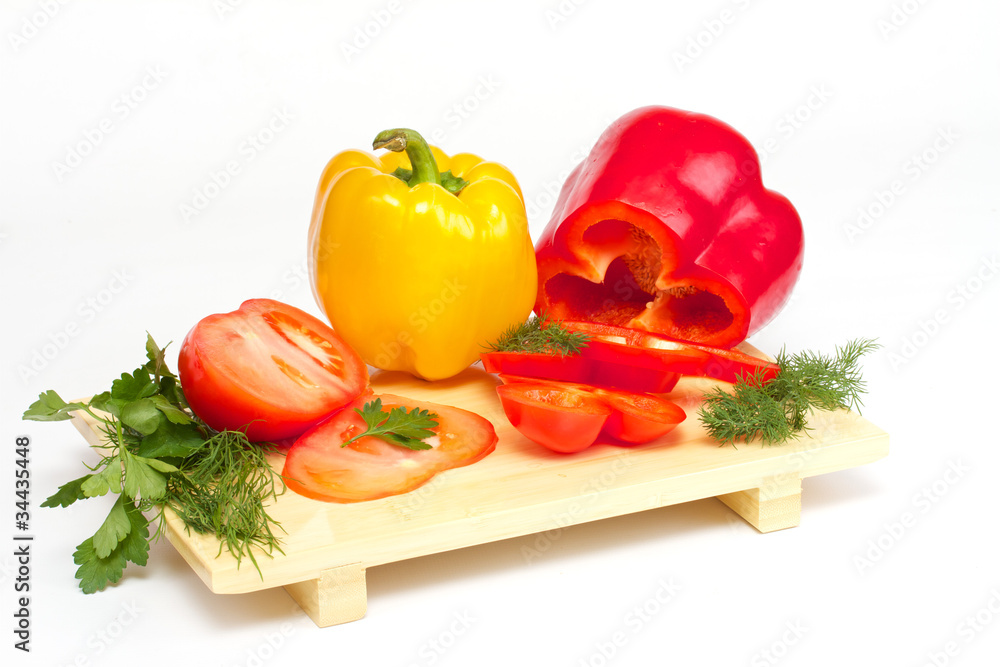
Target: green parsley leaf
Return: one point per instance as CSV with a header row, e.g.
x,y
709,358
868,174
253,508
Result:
x,y
170,411
95,572
168,382
398,426
142,415
135,545
172,440
115,527
50,407
67,494
144,477
132,387
102,402
108,479
157,364
128,530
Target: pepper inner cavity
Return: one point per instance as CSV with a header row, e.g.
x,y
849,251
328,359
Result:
x,y
645,261
634,262
696,314
631,261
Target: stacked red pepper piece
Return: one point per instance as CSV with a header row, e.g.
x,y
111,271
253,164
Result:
x,y
610,386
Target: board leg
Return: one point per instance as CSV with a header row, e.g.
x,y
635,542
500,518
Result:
x,y
776,504
338,595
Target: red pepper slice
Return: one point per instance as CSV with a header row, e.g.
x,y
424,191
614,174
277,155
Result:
x,y
667,227
561,418
569,417
629,359
604,365
659,352
640,418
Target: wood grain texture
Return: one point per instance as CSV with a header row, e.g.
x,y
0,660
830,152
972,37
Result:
x,y
523,488
775,505
338,595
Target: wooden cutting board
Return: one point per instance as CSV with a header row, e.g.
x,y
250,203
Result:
x,y
519,489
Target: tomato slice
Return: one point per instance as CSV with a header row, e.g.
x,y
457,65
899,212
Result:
x,y
318,467
569,417
269,369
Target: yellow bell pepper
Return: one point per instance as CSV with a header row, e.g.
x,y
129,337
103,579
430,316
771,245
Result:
x,y
415,269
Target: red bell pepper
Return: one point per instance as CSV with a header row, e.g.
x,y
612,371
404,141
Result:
x,y
631,360
653,351
569,417
597,365
667,227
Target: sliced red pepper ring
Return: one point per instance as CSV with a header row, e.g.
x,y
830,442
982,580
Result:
x,y
610,342
606,365
569,417
630,359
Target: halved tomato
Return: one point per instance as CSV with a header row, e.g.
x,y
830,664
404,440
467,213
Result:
x,y
269,369
569,417
318,466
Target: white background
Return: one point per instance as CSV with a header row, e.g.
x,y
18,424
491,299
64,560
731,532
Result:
x,y
888,107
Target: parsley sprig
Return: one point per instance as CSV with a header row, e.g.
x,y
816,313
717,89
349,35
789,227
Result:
x,y
158,454
541,335
777,409
397,426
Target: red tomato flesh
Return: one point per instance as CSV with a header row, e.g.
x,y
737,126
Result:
x,y
318,467
269,369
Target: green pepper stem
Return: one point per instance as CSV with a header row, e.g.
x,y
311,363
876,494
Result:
x,y
425,169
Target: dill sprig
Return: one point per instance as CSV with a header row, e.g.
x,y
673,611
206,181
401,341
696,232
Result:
x,y
223,488
777,409
540,335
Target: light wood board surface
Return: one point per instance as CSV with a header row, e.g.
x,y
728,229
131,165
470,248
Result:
x,y
521,488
